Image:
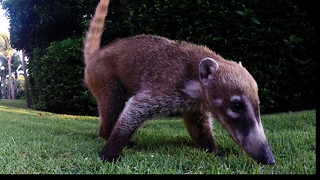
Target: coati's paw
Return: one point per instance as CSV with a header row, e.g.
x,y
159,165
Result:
x,y
218,154
131,145
108,158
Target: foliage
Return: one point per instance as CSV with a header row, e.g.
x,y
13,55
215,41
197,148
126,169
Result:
x,y
274,40
37,23
8,55
59,87
15,63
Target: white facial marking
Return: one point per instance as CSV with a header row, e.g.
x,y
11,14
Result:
x,y
218,102
235,97
232,114
257,133
250,109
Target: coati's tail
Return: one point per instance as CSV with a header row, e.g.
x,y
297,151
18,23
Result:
x,y
93,37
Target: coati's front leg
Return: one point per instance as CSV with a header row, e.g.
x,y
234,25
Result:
x,y
137,110
199,126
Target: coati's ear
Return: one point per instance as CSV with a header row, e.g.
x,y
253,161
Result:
x,y
207,67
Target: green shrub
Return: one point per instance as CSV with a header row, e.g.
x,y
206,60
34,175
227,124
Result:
x,y
274,40
21,94
56,80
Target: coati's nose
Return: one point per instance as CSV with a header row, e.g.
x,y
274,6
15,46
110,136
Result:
x,y
267,157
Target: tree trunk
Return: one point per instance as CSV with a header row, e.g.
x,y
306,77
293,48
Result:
x,y
3,83
11,90
26,87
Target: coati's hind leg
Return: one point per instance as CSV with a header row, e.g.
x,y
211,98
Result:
x,y
199,126
110,102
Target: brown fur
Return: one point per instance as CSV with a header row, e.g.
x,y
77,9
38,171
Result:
x,y
134,79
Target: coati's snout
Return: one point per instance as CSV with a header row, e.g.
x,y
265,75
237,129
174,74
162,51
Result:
x,y
242,120
232,97
248,133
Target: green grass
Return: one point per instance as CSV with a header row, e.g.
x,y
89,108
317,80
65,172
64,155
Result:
x,y
35,142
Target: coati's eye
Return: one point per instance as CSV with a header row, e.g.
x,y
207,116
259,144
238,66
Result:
x,y
236,106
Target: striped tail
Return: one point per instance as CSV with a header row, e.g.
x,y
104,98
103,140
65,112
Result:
x,y
93,37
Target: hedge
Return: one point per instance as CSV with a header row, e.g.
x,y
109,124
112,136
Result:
x,y
274,40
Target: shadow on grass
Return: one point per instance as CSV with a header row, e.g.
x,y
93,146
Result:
x,y
171,144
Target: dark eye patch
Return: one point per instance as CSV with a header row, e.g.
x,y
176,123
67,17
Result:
x,y
236,106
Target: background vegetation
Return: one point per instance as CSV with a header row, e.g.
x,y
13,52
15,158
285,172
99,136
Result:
x,y
37,142
274,40
10,69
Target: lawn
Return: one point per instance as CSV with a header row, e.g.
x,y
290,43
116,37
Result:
x,y
36,142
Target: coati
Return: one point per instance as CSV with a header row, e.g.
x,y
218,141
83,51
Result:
x,y
161,76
